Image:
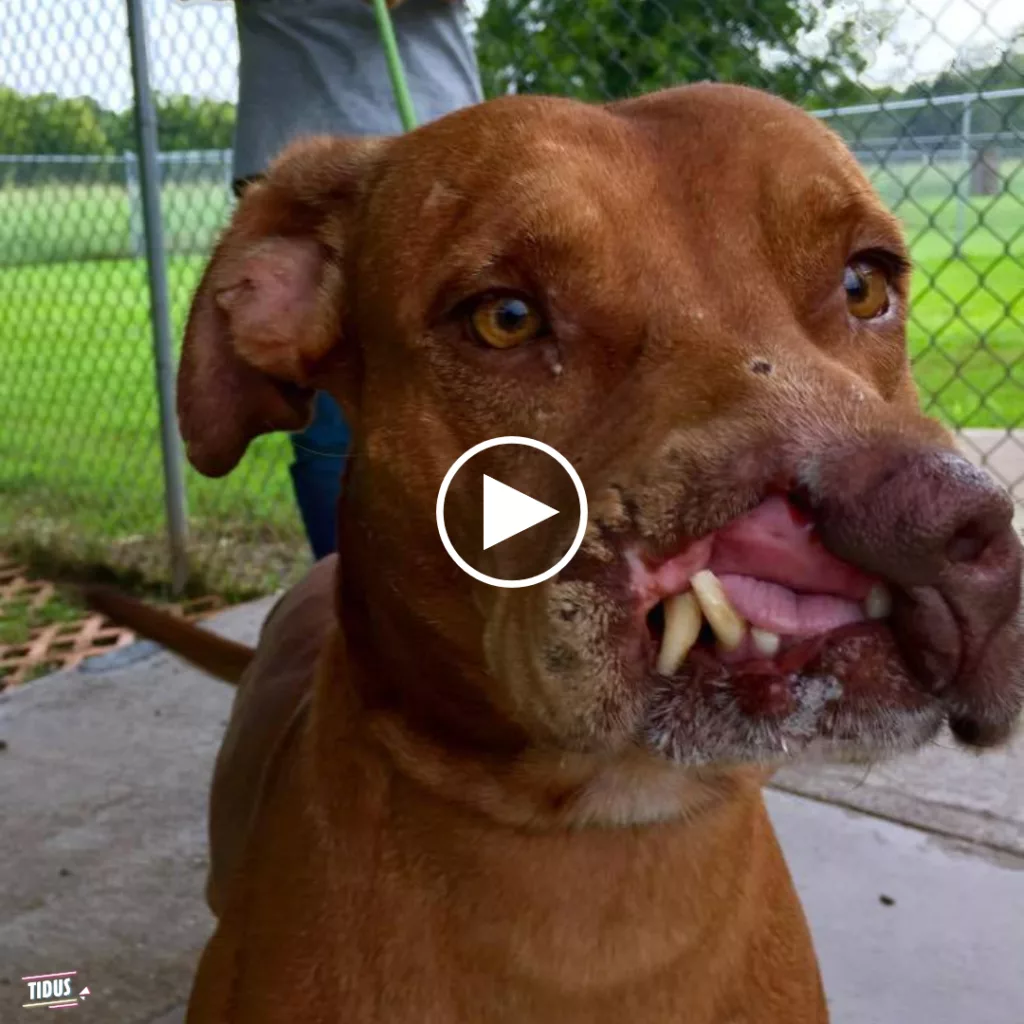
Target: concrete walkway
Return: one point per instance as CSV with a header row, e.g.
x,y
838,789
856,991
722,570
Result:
x,y
104,777
1001,452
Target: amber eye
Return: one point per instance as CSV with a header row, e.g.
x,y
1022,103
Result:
x,y
867,290
505,321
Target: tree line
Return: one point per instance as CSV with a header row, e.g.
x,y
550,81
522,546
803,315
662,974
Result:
x,y
46,123
1000,115
601,50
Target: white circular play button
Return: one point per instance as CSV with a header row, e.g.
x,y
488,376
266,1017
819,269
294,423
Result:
x,y
495,512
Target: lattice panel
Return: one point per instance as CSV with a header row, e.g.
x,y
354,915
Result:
x,y
60,645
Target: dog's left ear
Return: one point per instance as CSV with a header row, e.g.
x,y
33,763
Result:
x,y
269,309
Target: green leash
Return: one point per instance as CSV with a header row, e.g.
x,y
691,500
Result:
x,y
398,83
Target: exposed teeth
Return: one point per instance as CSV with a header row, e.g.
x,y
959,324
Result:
x,y
682,627
729,627
707,599
764,642
878,604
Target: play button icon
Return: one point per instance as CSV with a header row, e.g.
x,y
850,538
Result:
x,y
508,512
497,526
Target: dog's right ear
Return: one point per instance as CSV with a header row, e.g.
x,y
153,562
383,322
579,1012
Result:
x,y
269,308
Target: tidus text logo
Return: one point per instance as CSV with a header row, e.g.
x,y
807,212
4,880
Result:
x,y
53,991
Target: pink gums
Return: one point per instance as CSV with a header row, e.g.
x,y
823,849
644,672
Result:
x,y
774,569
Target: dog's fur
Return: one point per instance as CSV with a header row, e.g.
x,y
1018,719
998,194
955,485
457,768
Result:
x,y
443,802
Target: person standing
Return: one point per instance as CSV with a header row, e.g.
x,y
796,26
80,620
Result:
x,y
318,67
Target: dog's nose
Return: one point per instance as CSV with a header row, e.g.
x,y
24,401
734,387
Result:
x,y
939,530
915,518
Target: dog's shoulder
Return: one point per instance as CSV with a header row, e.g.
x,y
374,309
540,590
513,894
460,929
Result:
x,y
273,691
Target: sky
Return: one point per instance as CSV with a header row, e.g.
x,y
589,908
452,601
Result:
x,y
79,47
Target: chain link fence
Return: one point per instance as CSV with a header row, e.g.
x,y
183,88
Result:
x,y
930,98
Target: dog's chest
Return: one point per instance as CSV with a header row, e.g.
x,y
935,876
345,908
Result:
x,y
421,917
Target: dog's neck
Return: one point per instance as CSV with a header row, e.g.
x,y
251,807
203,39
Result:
x,y
408,625
552,789
576,877
426,698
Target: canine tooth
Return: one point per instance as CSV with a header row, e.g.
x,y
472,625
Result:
x,y
878,604
682,627
766,643
729,627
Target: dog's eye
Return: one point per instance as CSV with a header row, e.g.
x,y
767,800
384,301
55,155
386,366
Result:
x,y
867,290
505,321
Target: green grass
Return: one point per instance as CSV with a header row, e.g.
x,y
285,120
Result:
x,y
63,223
80,465
20,618
967,312
79,444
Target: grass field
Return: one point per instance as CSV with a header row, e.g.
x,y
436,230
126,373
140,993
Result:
x,y
79,450
86,222
80,468
967,313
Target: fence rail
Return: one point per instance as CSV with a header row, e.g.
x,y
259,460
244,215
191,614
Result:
x,y
80,451
922,103
196,186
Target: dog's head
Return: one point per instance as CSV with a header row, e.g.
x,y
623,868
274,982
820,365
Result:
x,y
699,300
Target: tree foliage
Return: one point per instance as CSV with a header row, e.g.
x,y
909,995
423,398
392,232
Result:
x,y
46,123
809,51
607,49
1006,71
989,116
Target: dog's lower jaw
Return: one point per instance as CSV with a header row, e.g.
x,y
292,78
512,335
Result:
x,y
693,733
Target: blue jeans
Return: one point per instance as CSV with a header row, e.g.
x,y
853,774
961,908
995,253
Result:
x,y
320,452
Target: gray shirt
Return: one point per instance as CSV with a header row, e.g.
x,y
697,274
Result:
x,y
318,66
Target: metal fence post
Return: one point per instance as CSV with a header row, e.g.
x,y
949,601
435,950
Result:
x,y
965,156
156,265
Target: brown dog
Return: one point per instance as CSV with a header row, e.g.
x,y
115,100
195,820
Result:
x,y
441,801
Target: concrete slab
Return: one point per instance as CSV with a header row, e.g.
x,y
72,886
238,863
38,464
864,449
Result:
x,y
943,789
910,928
1001,452
104,814
105,779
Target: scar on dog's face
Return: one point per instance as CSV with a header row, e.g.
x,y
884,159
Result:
x,y
699,300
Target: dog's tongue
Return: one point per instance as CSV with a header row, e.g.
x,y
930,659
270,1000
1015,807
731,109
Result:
x,y
777,543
